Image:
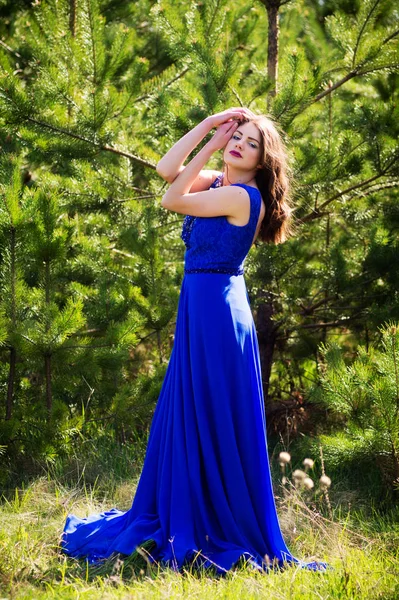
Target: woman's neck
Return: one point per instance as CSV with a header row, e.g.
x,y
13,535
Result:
x,y
226,182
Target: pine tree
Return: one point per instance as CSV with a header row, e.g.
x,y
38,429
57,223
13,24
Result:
x,y
91,96
84,310
366,394
13,222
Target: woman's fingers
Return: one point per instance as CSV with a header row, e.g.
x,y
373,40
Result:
x,y
228,125
233,124
224,133
240,113
230,115
228,131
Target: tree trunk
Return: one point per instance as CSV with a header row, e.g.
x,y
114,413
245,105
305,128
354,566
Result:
x,y
272,7
267,331
49,394
47,356
11,380
72,17
13,351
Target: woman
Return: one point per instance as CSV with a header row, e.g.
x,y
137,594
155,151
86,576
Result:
x,y
205,494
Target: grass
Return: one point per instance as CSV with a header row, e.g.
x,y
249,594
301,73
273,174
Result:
x,y
360,543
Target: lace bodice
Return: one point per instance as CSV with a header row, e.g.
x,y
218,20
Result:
x,y
213,244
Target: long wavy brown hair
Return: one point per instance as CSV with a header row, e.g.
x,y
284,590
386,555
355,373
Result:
x,y
273,179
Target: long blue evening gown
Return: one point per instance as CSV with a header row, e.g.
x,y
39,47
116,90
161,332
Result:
x,y
205,484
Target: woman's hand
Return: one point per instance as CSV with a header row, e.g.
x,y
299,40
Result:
x,y
222,135
237,113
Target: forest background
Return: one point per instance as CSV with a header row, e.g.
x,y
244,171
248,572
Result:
x,y
92,95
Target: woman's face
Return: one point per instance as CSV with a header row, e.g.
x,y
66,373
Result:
x,y
246,140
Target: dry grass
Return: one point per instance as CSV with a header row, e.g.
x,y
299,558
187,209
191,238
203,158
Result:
x,y
363,555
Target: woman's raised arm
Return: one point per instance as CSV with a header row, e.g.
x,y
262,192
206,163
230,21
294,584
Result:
x,y
171,164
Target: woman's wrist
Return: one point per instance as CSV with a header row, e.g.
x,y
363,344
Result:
x,y
209,123
210,147
204,127
182,184
175,157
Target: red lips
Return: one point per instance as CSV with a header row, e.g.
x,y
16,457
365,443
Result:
x,y
234,153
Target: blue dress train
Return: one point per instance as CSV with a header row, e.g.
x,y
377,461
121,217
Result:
x,y
205,489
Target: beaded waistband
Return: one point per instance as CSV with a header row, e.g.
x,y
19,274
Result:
x,y
228,271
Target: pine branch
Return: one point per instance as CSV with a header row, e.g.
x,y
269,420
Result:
x,y
390,37
235,93
317,213
377,68
336,85
148,95
326,325
100,147
362,29
308,310
377,188
355,71
9,49
300,100
214,14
